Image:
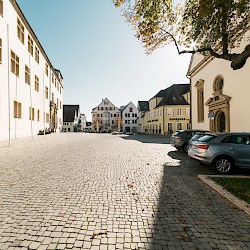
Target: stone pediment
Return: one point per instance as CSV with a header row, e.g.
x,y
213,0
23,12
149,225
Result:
x,y
218,99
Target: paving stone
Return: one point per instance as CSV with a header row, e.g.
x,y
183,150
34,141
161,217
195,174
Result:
x,y
126,192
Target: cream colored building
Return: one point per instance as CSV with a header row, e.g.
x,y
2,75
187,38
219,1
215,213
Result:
x,y
30,87
169,110
220,95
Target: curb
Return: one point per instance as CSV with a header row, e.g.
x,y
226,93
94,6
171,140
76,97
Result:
x,y
242,205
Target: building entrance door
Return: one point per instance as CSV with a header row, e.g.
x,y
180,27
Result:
x,y
220,121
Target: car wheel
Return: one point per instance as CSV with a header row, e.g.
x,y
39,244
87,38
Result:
x,y
223,165
185,148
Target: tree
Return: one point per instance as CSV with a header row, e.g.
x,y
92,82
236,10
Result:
x,y
215,27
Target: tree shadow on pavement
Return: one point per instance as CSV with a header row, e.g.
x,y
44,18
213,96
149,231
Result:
x,y
157,139
190,215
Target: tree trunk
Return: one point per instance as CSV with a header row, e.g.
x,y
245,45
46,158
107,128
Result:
x,y
241,59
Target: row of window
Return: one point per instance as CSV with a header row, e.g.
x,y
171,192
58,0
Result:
x,y
128,122
169,112
17,112
106,108
15,70
132,115
31,48
105,122
180,125
103,115
15,58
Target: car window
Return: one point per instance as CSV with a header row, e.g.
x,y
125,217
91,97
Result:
x,y
247,140
235,139
206,138
177,133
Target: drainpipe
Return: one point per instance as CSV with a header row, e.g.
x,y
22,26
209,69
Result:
x,y
31,124
8,77
44,107
190,84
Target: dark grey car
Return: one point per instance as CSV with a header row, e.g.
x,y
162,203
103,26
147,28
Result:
x,y
224,151
181,137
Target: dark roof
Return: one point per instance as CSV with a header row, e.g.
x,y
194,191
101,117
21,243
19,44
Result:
x,y
143,106
123,107
161,93
69,112
173,95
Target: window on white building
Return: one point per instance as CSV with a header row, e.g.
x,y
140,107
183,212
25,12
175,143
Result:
x,y
36,83
178,111
38,115
27,74
31,113
46,69
37,54
30,45
46,92
17,109
1,7
14,63
20,30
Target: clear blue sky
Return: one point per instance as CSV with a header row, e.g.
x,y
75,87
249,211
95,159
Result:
x,y
90,42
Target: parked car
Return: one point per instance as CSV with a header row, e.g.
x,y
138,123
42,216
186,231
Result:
x,y
197,136
223,151
181,137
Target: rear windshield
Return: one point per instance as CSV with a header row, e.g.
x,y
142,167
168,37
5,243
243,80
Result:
x,y
177,133
206,138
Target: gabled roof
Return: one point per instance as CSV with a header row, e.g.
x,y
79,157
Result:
x,y
124,107
173,95
103,100
69,112
143,106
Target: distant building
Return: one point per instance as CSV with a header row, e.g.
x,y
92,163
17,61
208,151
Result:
x,y
169,110
106,117
88,127
71,118
30,87
82,122
129,118
142,106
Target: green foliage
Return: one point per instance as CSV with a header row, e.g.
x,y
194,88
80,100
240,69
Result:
x,y
213,21
207,22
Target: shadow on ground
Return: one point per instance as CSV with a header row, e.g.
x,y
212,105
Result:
x,y
157,139
190,215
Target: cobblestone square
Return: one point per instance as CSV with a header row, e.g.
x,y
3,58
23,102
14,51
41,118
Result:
x,y
103,191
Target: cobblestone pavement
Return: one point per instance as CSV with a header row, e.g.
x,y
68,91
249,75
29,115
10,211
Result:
x,y
102,191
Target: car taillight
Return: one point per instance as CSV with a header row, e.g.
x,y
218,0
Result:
x,y
202,146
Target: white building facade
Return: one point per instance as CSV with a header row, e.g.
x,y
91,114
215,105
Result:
x,y
106,117
30,88
129,118
219,94
82,122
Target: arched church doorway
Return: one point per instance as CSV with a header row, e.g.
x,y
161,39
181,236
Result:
x,y
220,122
